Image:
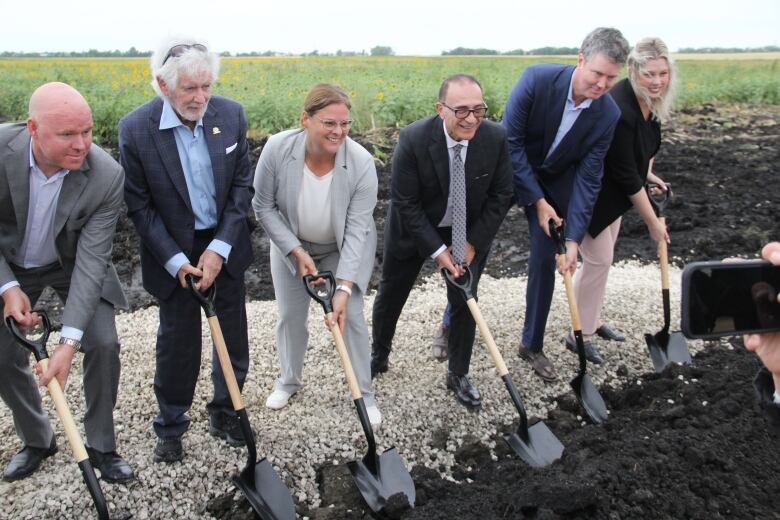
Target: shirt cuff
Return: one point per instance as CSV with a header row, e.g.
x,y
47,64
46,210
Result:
x,y
439,251
5,287
777,396
174,264
221,248
72,333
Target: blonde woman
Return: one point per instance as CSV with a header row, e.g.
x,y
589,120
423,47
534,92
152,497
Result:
x,y
645,100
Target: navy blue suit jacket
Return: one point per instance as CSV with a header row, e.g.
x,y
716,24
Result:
x,y
156,193
570,178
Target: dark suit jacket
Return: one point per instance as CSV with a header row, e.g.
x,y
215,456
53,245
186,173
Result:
x,y
420,185
87,210
156,193
571,177
636,141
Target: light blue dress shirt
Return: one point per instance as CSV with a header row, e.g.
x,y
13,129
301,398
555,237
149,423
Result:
x,y
570,115
196,165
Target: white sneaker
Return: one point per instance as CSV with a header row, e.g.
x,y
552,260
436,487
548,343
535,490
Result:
x,y
278,399
374,416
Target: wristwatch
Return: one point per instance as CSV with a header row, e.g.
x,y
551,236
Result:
x,y
73,343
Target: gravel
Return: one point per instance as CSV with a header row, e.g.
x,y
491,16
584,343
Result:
x,y
319,426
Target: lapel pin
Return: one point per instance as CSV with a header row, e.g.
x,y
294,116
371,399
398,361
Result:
x,y
215,130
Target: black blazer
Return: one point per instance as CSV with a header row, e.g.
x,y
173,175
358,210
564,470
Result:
x,y
420,184
636,141
156,193
765,388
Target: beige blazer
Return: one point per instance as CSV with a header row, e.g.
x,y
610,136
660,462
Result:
x,y
353,195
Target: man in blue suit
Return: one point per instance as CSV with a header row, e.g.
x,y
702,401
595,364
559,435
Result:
x,y
188,188
559,125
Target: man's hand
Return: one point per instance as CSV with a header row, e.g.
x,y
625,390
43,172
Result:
x,y
17,304
446,261
545,213
569,260
185,270
767,346
305,262
210,263
60,362
470,253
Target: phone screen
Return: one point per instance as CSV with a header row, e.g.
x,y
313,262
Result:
x,y
725,299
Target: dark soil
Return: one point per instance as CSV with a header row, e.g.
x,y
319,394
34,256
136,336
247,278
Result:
x,y
688,443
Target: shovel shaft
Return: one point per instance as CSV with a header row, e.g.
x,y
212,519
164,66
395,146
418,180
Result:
x,y
225,364
487,337
575,313
68,424
354,388
663,256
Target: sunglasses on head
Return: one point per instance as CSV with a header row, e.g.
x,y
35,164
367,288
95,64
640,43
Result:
x,y
178,50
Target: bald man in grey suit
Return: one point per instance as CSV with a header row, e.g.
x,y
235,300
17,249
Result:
x,y
59,202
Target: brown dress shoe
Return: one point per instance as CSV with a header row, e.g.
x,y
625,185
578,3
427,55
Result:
x,y
541,365
439,349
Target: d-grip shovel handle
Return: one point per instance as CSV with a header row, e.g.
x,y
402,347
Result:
x,y
321,293
206,301
659,202
38,348
463,283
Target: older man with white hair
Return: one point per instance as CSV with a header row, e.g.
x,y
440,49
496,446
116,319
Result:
x,y
188,190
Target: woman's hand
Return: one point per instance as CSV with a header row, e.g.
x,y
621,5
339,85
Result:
x,y
305,262
658,231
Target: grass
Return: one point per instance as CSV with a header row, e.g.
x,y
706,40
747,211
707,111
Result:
x,y
389,91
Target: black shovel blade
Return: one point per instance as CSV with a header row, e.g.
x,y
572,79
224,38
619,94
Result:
x,y
677,350
542,447
667,348
266,492
390,481
90,479
589,397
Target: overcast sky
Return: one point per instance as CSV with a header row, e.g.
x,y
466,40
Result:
x,y
408,26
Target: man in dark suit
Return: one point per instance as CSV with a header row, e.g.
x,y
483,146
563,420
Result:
x,y
559,124
421,216
188,190
59,202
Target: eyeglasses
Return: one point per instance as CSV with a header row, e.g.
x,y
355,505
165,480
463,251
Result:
x,y
331,124
463,112
178,50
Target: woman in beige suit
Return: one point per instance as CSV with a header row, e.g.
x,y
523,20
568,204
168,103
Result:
x,y
315,192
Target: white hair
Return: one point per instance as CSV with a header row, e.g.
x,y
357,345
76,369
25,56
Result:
x,y
191,62
645,50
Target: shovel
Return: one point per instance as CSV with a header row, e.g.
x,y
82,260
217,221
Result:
x,y
38,348
665,348
379,478
263,488
536,445
587,394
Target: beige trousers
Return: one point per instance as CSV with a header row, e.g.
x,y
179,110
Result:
x,y
590,282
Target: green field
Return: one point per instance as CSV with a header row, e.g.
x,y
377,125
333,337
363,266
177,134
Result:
x,y
385,91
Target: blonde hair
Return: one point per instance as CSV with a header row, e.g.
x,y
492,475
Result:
x,y
645,50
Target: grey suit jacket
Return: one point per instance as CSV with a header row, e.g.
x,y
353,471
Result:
x,y
84,224
353,196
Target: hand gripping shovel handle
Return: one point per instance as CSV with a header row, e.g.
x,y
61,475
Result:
x,y
659,201
323,293
63,411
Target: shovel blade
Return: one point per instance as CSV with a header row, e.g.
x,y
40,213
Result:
x,y
541,449
391,479
589,397
667,348
266,492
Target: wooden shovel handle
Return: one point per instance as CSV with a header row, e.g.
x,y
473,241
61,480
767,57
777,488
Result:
x,y
663,255
68,424
575,313
224,362
487,337
354,388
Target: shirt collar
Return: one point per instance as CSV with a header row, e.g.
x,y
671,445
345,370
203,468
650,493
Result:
x,y
169,119
570,98
452,142
36,169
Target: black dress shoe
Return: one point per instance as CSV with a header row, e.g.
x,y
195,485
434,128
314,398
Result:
x,y
592,354
379,363
27,461
464,391
168,449
226,427
112,467
606,332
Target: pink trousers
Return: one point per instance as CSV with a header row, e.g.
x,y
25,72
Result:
x,y
590,281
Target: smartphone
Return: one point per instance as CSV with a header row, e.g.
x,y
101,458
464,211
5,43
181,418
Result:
x,y
729,298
